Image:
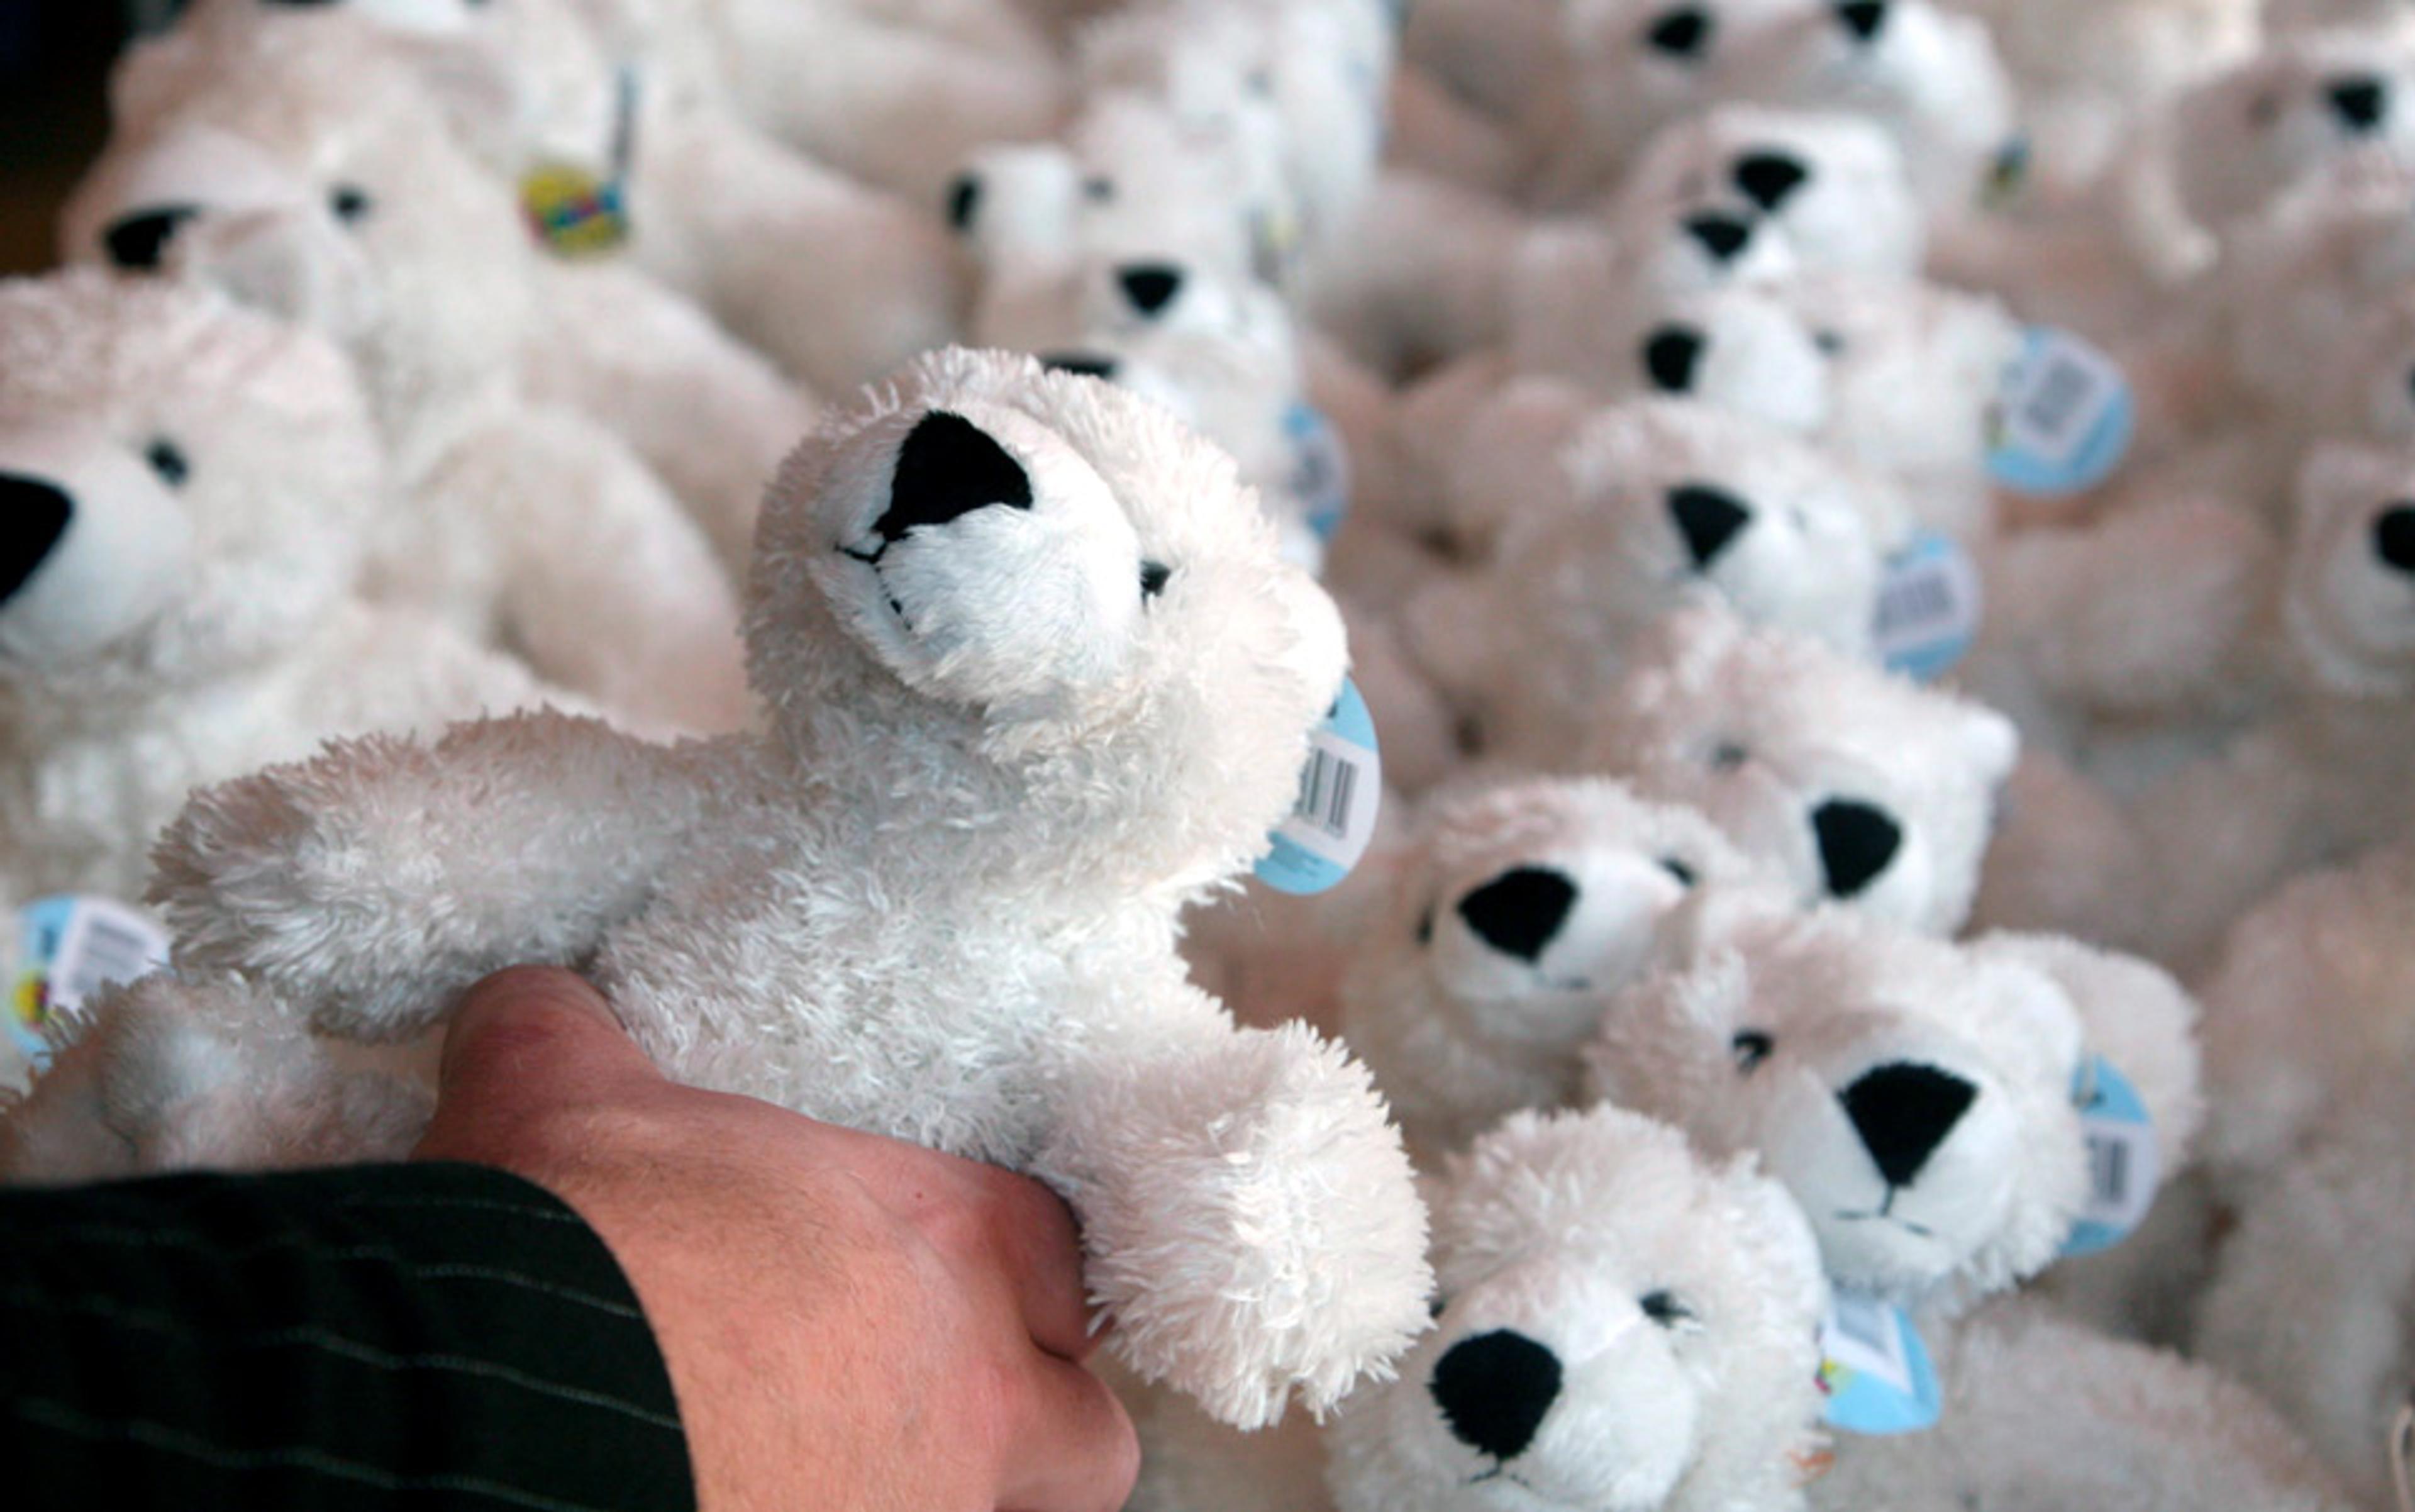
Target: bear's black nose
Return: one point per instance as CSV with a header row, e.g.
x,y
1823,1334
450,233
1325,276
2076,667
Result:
x,y
964,201
1865,18
1857,842
1149,286
1683,32
1493,1390
1722,236
1708,518
1518,912
1904,1112
137,241
1768,179
1671,355
946,468
34,515
2393,537
2360,102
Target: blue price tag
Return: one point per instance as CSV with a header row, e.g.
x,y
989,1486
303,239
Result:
x,y
1874,1370
1929,607
1341,791
69,948
2064,419
2124,1164
1320,474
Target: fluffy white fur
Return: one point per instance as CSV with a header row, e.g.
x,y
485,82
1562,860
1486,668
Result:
x,y
323,187
209,480
1858,784
1677,1294
936,898
1511,915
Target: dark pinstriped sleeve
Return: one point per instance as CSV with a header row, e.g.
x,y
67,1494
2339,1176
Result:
x,y
424,1337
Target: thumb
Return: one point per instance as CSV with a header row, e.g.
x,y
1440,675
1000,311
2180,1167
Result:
x,y
525,1043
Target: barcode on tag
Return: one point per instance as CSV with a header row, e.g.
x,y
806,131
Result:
x,y
1325,789
2108,1171
2058,399
1332,817
1865,1337
2124,1162
1929,607
112,948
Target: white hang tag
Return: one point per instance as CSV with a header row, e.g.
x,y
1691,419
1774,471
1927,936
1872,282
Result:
x,y
2124,1164
1929,607
1320,474
69,948
2063,419
1341,792
1874,1371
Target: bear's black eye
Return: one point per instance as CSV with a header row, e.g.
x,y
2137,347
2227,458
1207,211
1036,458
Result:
x,y
1152,578
1682,32
351,203
168,460
1683,873
1098,190
1666,1309
1729,754
1260,82
1425,926
1752,1047
1828,342
2264,108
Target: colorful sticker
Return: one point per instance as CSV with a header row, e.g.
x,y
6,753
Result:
x,y
1929,607
2124,1162
1320,471
71,948
1874,1370
2064,420
574,212
1341,791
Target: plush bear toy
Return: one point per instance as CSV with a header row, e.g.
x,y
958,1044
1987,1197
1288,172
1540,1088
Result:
x,y
2309,1304
188,490
318,184
1623,1322
1512,914
611,150
1858,784
1658,505
1035,678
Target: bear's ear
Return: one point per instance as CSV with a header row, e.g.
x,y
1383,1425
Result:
x,y
948,467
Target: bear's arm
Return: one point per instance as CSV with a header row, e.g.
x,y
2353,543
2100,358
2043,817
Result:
x,y
1251,1220
369,885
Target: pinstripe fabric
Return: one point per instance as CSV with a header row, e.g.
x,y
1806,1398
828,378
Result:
x,y
416,1336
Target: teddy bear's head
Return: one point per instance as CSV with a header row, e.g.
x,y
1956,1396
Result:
x,y
2319,106
185,487
1740,348
1512,912
320,185
2349,599
1830,185
992,581
1925,72
1624,1327
1915,1098
1863,785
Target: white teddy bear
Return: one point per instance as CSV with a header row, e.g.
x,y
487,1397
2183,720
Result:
x,y
610,148
1510,915
1858,784
188,490
1035,678
2309,1304
1657,505
318,184
1623,1323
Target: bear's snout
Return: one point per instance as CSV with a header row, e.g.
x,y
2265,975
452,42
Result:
x,y
2361,102
34,515
1519,912
1724,237
1494,1389
136,240
1671,354
1769,179
1710,520
1149,286
1863,19
2393,538
1857,842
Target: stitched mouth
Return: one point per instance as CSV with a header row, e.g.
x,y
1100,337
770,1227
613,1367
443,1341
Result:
x,y
872,560
1881,1215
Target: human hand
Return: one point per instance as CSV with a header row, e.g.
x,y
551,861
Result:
x,y
851,1324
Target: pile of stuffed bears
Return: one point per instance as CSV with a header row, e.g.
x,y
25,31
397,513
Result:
x,y
1661,746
